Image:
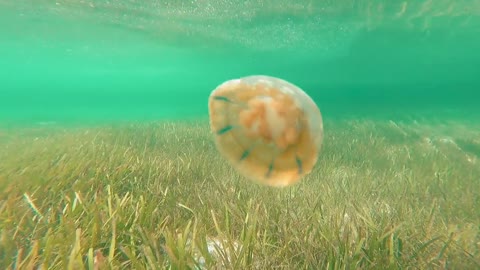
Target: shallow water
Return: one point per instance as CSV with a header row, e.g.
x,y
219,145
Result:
x,y
112,60
88,151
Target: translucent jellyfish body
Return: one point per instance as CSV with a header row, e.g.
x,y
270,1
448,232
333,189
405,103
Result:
x,y
267,128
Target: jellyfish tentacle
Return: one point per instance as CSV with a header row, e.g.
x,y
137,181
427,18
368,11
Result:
x,y
299,165
225,129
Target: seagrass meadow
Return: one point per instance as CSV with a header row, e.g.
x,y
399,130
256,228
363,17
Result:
x,y
157,195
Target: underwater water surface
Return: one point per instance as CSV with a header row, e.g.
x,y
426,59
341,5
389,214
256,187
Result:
x,y
107,159
74,60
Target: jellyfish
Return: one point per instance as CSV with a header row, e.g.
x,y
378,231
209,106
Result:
x,y
268,129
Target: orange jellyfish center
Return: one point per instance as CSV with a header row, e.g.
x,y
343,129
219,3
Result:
x,y
272,120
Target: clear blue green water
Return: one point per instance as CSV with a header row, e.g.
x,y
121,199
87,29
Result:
x,y
396,181
92,60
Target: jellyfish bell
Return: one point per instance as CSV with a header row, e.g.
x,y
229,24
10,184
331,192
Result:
x,y
268,129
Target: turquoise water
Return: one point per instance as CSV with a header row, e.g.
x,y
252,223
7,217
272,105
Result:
x,y
86,60
90,173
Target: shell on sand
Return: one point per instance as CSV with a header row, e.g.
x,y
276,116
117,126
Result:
x,y
267,128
